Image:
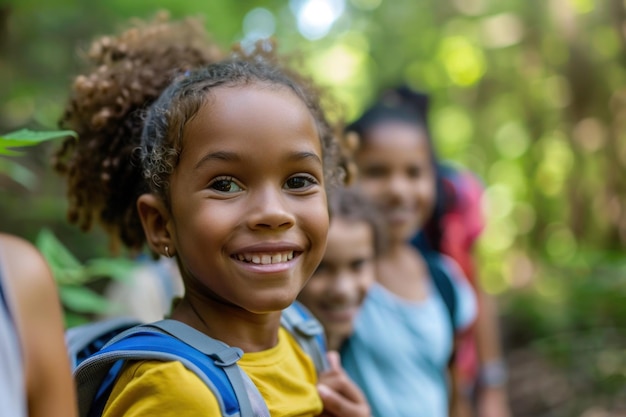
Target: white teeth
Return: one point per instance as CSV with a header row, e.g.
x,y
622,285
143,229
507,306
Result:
x,y
265,258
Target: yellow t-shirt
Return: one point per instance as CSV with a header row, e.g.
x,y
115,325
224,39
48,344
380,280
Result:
x,y
284,375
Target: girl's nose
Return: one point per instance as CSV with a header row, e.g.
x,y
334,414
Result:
x,y
343,288
270,209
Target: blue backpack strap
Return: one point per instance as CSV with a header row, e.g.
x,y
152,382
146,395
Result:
x,y
250,401
308,332
443,283
96,375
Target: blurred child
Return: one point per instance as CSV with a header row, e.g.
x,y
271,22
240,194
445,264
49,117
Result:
x,y
454,230
229,179
35,376
339,285
404,336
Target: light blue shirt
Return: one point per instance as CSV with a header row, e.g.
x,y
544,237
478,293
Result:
x,y
399,352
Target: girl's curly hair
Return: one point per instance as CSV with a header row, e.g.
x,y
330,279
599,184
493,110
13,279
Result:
x,y
124,75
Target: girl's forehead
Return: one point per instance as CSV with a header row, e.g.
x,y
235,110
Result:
x,y
395,127
251,114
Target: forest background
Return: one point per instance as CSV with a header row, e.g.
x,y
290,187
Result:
x,y
529,94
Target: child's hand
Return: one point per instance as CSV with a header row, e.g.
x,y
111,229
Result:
x,y
340,395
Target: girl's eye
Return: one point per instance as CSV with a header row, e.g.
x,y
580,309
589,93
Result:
x,y
300,181
414,172
358,264
225,185
374,171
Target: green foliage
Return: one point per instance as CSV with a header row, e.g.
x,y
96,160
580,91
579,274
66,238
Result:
x,y
20,139
25,137
73,278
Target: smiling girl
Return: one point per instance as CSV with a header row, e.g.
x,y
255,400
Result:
x,y
229,178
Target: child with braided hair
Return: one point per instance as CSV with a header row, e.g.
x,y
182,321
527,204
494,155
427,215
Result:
x,y
228,177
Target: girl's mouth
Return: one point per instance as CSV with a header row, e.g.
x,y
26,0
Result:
x,y
265,258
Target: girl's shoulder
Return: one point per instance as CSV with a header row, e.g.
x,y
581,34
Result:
x,y
172,387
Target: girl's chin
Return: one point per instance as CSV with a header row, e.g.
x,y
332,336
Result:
x,y
402,231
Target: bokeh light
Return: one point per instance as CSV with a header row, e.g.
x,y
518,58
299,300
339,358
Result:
x,y
315,17
512,139
463,61
258,23
502,30
561,243
453,129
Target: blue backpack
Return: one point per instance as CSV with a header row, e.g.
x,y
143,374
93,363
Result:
x,y
440,277
99,350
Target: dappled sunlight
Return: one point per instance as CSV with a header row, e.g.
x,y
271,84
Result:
x,y
512,139
454,128
560,243
555,162
502,30
366,4
344,67
509,174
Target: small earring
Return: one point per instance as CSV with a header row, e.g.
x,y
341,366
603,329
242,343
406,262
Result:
x,y
167,251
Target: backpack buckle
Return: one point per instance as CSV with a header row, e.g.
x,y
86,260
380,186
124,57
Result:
x,y
227,357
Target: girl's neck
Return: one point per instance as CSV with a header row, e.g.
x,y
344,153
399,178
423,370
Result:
x,y
403,272
399,249
334,342
232,325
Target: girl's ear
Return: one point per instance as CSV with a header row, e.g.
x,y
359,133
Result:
x,y
155,220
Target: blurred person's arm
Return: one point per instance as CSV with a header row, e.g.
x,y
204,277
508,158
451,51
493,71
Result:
x,y
34,300
491,397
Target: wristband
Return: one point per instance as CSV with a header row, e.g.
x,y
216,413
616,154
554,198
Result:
x,y
493,374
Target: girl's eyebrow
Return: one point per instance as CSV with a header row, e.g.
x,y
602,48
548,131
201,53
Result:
x,y
306,155
219,155
234,157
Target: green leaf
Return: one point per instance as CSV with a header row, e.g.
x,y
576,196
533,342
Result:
x,y
65,267
18,173
83,300
25,137
118,268
73,319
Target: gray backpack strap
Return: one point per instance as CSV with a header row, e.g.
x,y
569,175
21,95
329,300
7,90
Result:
x,y
225,357
90,374
308,332
86,339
